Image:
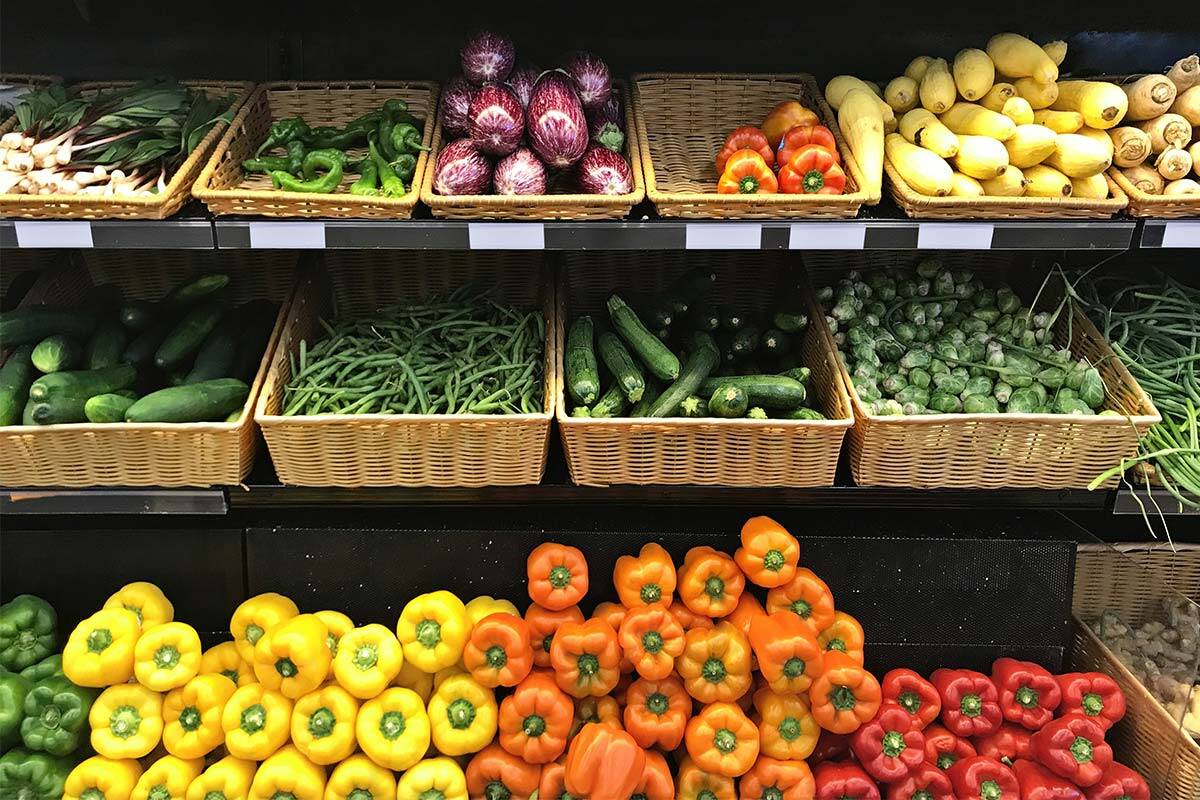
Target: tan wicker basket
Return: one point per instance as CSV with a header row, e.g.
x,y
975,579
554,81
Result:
x,y
147,454
1148,740
1154,205
682,121
350,450
990,451
225,189
712,452
564,206
157,206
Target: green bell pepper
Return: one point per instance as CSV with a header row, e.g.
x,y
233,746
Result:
x,y
13,690
406,139
56,716
50,665
28,631
33,776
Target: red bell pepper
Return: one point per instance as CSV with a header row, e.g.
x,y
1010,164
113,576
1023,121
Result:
x,y
1073,747
983,778
914,694
811,170
970,703
1029,694
830,747
1039,783
943,748
843,781
888,747
1119,782
1092,694
800,135
926,783
1008,743
746,137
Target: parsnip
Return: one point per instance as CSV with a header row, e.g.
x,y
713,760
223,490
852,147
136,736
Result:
x,y
1184,186
997,96
1059,121
927,173
965,186
1039,95
1046,181
861,122
938,91
1091,188
922,128
1185,73
1011,184
916,68
1018,110
1194,152
980,157
1029,145
1057,50
1145,179
1102,104
1187,105
901,94
1131,146
1149,96
1018,57
970,119
1169,130
974,73
1173,163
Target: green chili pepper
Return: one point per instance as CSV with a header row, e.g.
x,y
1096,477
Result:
x,y
406,139
337,138
405,166
383,138
283,132
295,157
266,164
368,180
390,183
324,159
367,122
324,184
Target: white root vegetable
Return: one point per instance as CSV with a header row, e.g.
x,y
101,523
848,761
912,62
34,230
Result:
x,y
21,162
1185,73
9,181
1194,152
1145,179
1149,96
1173,163
1187,105
1169,130
1184,186
11,140
1131,146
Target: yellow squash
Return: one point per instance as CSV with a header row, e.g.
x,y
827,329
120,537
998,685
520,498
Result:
x,y
974,73
901,94
926,172
861,122
997,96
1057,50
1078,156
1103,105
1093,188
965,186
923,129
1043,181
1059,121
1018,110
971,120
917,67
981,157
1029,145
938,91
1010,184
1018,57
1039,95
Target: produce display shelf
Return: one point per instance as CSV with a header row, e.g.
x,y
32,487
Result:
x,y
1169,233
191,229
1139,501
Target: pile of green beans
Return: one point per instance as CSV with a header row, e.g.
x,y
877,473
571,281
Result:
x,y
464,354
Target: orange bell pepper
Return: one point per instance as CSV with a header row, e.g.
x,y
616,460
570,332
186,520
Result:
x,y
769,554
845,635
627,679
543,624
614,615
801,135
715,665
710,583
745,612
652,640
747,172
586,658
647,578
494,772
694,783
498,652
845,696
812,170
656,782
595,710
789,657
535,720
722,739
657,712
746,137
604,763
686,619
778,780
553,783
786,726
807,597
784,117
557,576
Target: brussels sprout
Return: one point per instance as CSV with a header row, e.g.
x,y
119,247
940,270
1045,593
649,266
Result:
x,y
864,369
1040,393
832,324
977,385
948,383
995,357
945,403
1003,325
1064,392
1006,301
870,320
912,409
919,377
1040,320
893,383
905,332
1108,412
866,388
1022,401
955,336
938,367
865,354
988,315
973,350
933,309
1075,374
800,374
889,349
960,371
929,267
1072,405
924,288
824,294
1028,340
980,404
1002,392
875,308
963,276
839,339
964,291
1051,377
844,311
915,358
973,324
923,334
1091,390
1041,335
914,313
907,288
863,291
913,394
858,335
943,283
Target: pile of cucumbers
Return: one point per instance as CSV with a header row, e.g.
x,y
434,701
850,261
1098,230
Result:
x,y
188,357
683,357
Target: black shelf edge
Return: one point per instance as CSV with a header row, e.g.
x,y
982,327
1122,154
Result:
x,y
1150,503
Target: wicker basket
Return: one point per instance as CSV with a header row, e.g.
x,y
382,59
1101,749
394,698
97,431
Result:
x,y
713,452
564,206
408,449
682,121
1154,205
156,206
225,189
991,451
1134,584
147,454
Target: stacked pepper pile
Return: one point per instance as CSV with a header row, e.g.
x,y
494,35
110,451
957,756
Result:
x,y
791,153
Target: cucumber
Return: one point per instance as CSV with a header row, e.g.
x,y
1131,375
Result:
x,y
61,411
216,356
705,318
186,337
745,341
728,401
234,415
657,357
257,322
56,354
193,291
107,407
768,391
105,347
774,342
15,377
138,315
801,374
82,384
141,350
693,406
32,324
732,319
803,413
27,412
581,411
758,412
583,374
702,359
611,404
210,401
620,364
789,321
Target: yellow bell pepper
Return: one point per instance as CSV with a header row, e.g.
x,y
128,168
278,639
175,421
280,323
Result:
x,y
433,629
99,651
192,716
144,599
359,778
228,779
323,724
293,656
485,605
368,660
338,625
288,774
256,721
126,721
413,677
167,656
256,616
392,729
168,778
225,659
440,778
100,778
462,716
440,676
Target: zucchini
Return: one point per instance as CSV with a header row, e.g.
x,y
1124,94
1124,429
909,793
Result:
x,y
745,341
611,404
693,406
32,324
621,365
660,317
758,412
801,374
193,291
789,321
701,360
657,357
109,407
581,411
187,337
803,413
583,374
141,350
705,318
675,302
732,319
105,347
774,342
216,356
82,384
15,377
653,390
56,354
728,401
768,391
137,315
209,401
